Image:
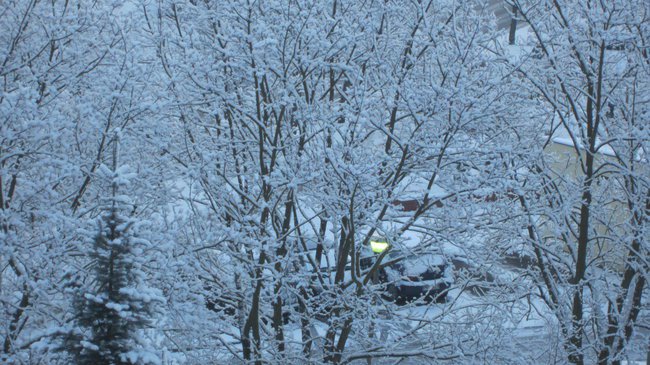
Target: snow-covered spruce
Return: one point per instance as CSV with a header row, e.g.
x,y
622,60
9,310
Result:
x,y
114,304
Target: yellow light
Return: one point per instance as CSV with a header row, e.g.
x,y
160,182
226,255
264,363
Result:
x,y
378,246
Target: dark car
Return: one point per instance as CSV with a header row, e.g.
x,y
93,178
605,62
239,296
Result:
x,y
427,276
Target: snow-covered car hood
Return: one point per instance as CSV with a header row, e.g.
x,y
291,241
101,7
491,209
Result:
x,y
428,267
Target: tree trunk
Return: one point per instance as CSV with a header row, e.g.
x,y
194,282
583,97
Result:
x,y
513,25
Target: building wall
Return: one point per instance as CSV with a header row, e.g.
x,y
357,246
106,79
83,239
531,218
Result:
x,y
610,215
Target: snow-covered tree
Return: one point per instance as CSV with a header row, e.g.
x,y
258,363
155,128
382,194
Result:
x,y
114,304
302,123
273,140
583,191
69,78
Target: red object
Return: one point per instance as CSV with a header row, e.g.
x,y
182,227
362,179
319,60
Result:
x,y
407,205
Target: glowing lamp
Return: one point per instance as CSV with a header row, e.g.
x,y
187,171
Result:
x,y
378,246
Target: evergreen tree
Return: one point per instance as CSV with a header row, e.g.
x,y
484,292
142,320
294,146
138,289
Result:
x,y
115,303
